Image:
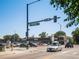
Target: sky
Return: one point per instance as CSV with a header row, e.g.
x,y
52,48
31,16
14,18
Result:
x,y
13,18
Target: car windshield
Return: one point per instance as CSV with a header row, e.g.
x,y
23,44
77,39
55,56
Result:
x,y
54,44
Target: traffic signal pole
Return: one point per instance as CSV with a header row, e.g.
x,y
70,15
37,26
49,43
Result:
x,y
45,20
27,26
27,23
27,20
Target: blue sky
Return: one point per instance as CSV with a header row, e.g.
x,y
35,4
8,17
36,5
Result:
x,y
13,18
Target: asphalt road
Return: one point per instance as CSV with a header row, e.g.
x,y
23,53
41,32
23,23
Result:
x,y
66,53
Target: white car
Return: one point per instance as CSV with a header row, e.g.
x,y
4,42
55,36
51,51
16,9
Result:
x,y
55,46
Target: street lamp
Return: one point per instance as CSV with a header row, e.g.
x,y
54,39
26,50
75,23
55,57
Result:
x,y
27,6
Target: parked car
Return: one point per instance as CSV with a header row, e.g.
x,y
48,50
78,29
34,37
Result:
x,y
55,46
16,44
32,44
69,45
23,44
3,44
2,47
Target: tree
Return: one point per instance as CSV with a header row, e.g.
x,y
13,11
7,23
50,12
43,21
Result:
x,y
60,33
70,39
15,37
60,36
7,37
76,35
71,9
43,34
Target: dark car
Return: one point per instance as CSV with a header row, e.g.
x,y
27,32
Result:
x,y
23,45
32,44
69,45
16,44
2,46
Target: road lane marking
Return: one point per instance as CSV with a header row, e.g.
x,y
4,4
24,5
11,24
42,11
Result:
x,y
66,52
69,52
35,51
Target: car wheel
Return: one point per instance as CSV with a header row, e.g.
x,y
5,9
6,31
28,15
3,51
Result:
x,y
61,49
47,50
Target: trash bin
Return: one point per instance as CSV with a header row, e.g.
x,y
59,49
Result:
x,y
2,47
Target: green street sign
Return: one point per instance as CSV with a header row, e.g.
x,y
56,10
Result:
x,y
34,23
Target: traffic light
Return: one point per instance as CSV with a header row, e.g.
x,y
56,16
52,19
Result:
x,y
55,19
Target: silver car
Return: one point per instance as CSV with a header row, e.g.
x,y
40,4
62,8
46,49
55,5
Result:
x,y
55,46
